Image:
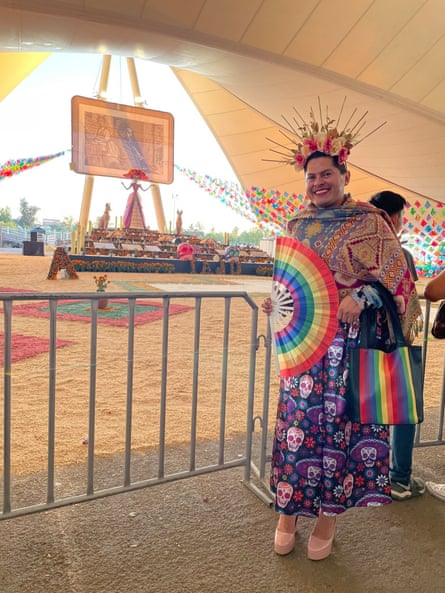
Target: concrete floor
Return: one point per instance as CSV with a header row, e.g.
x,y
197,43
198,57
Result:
x,y
211,534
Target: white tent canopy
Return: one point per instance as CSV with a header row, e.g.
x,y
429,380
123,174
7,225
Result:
x,y
245,64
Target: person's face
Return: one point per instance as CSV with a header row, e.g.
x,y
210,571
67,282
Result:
x,y
325,184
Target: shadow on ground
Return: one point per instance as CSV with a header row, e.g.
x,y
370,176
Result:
x,y
211,534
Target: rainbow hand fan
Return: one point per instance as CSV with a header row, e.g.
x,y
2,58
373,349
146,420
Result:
x,y
305,303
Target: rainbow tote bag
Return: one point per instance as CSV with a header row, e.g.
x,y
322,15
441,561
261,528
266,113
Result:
x,y
385,386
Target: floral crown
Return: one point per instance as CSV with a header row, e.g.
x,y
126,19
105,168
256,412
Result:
x,y
323,136
136,174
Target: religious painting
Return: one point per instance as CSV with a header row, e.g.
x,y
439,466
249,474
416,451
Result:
x,y
109,139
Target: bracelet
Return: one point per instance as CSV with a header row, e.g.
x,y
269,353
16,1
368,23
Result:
x,y
359,297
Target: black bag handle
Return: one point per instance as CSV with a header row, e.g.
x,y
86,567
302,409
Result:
x,y
390,307
438,329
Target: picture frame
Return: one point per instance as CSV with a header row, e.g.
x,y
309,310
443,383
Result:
x,y
109,139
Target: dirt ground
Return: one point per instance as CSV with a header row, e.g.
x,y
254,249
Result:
x,y
202,535
30,376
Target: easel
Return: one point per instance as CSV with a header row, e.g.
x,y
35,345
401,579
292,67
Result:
x,y
61,261
89,179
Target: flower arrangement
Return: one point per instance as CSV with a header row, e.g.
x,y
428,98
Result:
x,y
101,282
124,266
323,136
264,271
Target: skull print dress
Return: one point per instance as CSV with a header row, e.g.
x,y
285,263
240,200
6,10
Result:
x,y
321,461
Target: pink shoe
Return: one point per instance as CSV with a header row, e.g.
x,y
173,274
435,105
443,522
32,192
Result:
x,y
319,548
284,541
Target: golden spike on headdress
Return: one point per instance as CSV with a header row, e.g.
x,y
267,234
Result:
x,y
275,160
372,132
324,136
278,152
290,126
359,130
357,122
341,112
321,115
350,117
302,118
292,140
278,144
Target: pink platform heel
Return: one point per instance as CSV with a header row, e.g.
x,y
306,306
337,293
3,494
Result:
x,y
320,542
284,541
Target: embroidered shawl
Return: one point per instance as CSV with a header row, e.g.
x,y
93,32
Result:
x,y
359,244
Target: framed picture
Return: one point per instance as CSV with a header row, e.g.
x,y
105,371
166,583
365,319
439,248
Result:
x,y
109,139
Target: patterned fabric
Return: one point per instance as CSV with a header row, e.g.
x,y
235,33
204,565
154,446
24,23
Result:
x,y
320,459
359,245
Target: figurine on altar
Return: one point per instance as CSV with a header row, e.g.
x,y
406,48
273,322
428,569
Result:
x,y
105,218
134,216
179,222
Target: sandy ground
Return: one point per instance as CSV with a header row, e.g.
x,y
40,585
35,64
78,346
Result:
x,y
201,535
30,377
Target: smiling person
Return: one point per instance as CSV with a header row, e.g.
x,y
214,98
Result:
x,y
322,463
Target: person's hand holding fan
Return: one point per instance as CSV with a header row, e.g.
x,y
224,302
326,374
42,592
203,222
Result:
x,y
304,306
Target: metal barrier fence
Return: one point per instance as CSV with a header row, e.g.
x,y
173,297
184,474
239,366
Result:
x,y
436,437
14,236
210,420
428,434
150,449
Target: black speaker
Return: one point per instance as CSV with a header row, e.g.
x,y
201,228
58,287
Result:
x,y
33,248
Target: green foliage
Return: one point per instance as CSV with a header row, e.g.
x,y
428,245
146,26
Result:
x,y
28,214
5,216
250,237
69,223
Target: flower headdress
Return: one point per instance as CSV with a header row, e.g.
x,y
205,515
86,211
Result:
x,y
136,174
324,136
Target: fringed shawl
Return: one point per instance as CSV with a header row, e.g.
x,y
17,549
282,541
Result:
x,y
359,244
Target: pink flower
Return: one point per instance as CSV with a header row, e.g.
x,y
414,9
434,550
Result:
x,y
311,144
343,154
300,160
327,146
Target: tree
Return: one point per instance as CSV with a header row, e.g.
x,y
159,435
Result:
x,y
69,223
196,229
5,215
28,214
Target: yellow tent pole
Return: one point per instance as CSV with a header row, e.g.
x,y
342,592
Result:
x,y
89,179
104,76
84,211
159,210
137,98
155,191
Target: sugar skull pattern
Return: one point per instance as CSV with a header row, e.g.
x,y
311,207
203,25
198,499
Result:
x,y
320,459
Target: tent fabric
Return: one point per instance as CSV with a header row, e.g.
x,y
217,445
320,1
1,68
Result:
x,y
246,64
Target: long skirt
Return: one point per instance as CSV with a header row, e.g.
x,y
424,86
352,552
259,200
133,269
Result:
x,y
321,461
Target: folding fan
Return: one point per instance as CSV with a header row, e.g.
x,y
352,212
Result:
x,y
305,302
